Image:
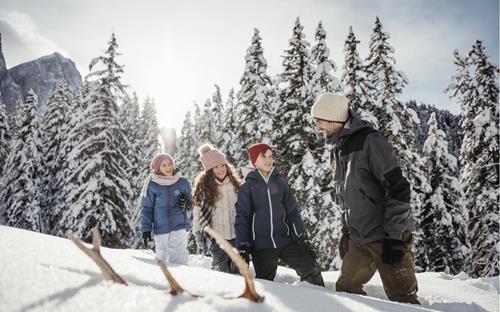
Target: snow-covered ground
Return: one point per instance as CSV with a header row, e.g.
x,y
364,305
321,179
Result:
x,y
45,273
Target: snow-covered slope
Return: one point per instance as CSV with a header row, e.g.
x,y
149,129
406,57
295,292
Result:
x,y
45,273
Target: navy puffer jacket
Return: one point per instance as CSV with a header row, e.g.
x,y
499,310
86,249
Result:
x,y
160,208
267,214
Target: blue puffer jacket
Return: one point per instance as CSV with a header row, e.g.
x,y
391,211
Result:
x,y
160,208
267,214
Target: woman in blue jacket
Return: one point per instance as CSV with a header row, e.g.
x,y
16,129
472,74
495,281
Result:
x,y
165,198
268,223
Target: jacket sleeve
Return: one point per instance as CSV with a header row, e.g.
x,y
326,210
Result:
x,y
187,195
384,166
243,220
147,209
196,218
292,211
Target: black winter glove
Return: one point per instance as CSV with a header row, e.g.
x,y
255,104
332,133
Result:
x,y
304,242
244,250
184,203
392,250
344,244
146,237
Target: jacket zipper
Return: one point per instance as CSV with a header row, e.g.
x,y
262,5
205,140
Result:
x,y
253,226
271,215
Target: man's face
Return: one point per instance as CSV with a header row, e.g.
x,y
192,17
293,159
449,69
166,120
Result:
x,y
327,128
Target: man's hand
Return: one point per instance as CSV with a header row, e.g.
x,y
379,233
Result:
x,y
392,250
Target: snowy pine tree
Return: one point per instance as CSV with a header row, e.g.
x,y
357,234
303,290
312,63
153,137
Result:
x,y
322,78
186,149
205,125
479,155
55,129
253,111
4,135
444,245
231,147
102,192
385,83
293,123
218,116
18,196
357,89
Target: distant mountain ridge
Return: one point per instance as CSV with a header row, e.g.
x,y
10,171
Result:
x,y
41,75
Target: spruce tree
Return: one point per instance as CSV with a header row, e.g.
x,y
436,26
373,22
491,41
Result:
x,y
231,147
253,110
186,148
205,125
293,123
4,135
444,245
385,83
18,196
357,88
476,88
218,117
323,79
55,129
102,190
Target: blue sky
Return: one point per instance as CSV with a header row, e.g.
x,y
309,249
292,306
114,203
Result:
x,y
175,51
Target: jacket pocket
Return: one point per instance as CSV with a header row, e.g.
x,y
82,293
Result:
x,y
366,196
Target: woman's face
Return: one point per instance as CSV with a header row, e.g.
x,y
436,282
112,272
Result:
x,y
167,168
220,171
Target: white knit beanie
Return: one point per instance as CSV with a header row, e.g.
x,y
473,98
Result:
x,y
331,107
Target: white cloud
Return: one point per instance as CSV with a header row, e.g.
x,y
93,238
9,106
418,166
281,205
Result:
x,y
25,41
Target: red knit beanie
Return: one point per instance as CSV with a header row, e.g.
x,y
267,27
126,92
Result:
x,y
255,150
158,159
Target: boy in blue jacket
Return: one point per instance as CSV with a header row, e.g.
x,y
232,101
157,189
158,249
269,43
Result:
x,y
268,223
165,198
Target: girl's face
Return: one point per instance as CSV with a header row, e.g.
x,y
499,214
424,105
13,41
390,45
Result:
x,y
220,171
264,162
167,168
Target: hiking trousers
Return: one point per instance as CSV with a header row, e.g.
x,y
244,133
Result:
x,y
361,261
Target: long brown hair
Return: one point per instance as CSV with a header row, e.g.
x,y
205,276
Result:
x,y
205,188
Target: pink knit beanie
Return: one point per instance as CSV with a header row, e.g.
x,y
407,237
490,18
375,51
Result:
x,y
211,157
158,159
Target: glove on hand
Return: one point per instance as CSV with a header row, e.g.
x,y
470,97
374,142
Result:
x,y
304,242
344,244
146,237
244,250
392,250
184,203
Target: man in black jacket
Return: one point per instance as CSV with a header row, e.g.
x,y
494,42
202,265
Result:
x,y
375,197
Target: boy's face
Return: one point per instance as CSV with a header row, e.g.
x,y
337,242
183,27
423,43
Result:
x,y
220,171
264,162
167,168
